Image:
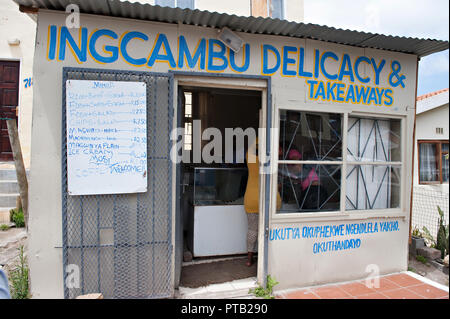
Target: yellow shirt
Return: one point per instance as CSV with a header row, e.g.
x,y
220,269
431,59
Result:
x,y
251,197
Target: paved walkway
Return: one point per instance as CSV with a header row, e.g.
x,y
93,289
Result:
x,y
405,285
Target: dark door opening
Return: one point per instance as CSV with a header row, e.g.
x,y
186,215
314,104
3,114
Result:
x,y
213,218
9,100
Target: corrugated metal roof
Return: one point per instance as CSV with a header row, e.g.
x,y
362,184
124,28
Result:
x,y
257,25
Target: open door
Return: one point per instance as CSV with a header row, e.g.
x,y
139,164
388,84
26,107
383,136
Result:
x,y
212,207
264,139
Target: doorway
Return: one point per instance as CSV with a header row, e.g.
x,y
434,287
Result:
x,y
9,100
211,190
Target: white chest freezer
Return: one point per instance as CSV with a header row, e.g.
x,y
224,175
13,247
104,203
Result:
x,y
219,230
218,221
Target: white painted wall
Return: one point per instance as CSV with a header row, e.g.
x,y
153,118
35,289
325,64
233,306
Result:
x,y
427,122
291,262
237,7
294,9
16,25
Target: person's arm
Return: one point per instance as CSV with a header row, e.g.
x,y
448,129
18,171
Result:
x,y
4,289
312,179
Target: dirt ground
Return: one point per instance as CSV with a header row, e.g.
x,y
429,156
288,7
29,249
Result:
x,y
204,274
428,271
10,241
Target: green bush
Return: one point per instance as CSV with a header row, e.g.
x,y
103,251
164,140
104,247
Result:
x,y
422,259
4,227
265,293
17,217
442,236
18,278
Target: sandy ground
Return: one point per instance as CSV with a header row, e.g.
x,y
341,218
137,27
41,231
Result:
x,y
10,241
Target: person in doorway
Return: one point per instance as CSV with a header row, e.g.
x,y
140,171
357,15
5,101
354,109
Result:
x,y
4,289
251,201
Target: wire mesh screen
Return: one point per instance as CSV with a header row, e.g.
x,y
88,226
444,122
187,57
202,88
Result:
x,y
425,212
120,244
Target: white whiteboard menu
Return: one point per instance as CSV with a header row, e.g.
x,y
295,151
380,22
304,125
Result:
x,y
106,137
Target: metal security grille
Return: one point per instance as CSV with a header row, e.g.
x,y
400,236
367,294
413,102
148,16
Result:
x,y
120,245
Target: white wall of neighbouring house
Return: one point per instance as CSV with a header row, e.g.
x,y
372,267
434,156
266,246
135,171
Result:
x,y
16,25
237,7
293,9
432,113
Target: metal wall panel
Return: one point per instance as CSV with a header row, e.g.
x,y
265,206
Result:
x,y
121,244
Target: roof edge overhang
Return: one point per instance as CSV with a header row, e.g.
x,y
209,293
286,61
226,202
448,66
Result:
x,y
253,25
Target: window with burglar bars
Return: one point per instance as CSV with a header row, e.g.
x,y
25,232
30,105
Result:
x,y
120,244
433,161
312,162
373,163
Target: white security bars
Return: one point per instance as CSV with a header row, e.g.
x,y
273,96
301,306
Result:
x,y
312,162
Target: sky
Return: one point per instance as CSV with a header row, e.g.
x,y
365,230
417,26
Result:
x,y
427,19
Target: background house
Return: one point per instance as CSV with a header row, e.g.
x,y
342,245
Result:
x,y
17,37
431,160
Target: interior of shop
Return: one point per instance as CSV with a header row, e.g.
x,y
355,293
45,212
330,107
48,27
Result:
x,y
212,193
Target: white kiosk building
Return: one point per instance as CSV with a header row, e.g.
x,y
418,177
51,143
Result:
x,y
112,209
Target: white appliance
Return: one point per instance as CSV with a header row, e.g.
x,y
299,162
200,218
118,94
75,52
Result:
x,y
217,221
219,230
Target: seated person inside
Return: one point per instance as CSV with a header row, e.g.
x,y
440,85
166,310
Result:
x,y
299,184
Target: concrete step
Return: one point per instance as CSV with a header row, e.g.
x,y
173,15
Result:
x,y
8,174
8,200
8,187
